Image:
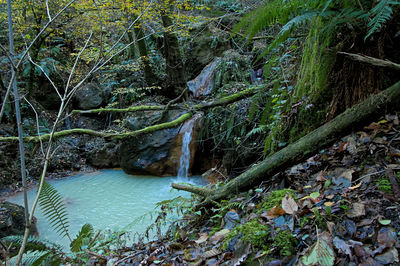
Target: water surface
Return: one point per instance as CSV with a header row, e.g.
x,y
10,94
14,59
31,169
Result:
x,y
107,199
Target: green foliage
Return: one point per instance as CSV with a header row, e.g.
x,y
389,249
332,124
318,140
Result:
x,y
33,258
252,232
54,209
285,242
384,185
275,198
380,14
38,251
33,242
83,238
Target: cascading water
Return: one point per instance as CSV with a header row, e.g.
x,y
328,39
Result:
x,y
185,155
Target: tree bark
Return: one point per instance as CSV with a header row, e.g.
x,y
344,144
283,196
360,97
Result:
x,y
310,144
149,75
174,63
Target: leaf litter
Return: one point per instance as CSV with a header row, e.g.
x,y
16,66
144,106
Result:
x,y
343,208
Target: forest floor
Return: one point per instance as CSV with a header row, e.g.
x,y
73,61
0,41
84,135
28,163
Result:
x,y
341,206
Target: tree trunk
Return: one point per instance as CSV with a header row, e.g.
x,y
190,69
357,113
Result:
x,y
174,63
131,49
311,143
141,43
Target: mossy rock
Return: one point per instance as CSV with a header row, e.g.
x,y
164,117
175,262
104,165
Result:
x,y
205,43
12,220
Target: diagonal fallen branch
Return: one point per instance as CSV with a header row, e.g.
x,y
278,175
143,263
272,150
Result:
x,y
371,60
307,145
116,135
82,131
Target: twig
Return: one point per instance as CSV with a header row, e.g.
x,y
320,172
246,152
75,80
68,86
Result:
x,y
367,175
128,257
165,111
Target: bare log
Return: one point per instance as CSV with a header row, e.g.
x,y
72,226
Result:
x,y
372,61
193,189
309,144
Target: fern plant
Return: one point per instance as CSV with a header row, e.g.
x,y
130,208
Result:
x,y
380,14
54,209
293,14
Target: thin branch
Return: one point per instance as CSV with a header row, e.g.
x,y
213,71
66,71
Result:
x,y
8,57
101,31
372,61
45,74
48,9
10,84
75,64
37,124
41,32
127,29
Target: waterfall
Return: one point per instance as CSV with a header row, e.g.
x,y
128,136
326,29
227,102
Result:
x,y
185,155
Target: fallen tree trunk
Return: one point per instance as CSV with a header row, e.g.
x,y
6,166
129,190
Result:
x,y
82,131
122,110
116,135
193,189
309,144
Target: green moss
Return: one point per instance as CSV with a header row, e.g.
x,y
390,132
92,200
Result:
x,y
285,242
313,82
275,198
384,185
252,232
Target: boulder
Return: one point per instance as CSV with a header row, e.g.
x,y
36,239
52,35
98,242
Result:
x,y
104,155
203,84
231,67
89,96
12,220
157,153
204,45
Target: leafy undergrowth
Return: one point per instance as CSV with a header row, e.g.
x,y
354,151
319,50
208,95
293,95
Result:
x,y
341,206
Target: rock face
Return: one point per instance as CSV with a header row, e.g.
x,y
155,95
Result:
x,y
201,49
89,96
157,153
203,84
12,221
104,155
231,67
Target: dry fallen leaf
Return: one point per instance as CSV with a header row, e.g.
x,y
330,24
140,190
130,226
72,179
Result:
x,y
289,205
357,210
321,176
273,213
203,238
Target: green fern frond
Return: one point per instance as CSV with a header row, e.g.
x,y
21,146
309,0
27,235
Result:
x,y
278,11
380,14
83,238
284,33
32,258
54,209
33,242
257,130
